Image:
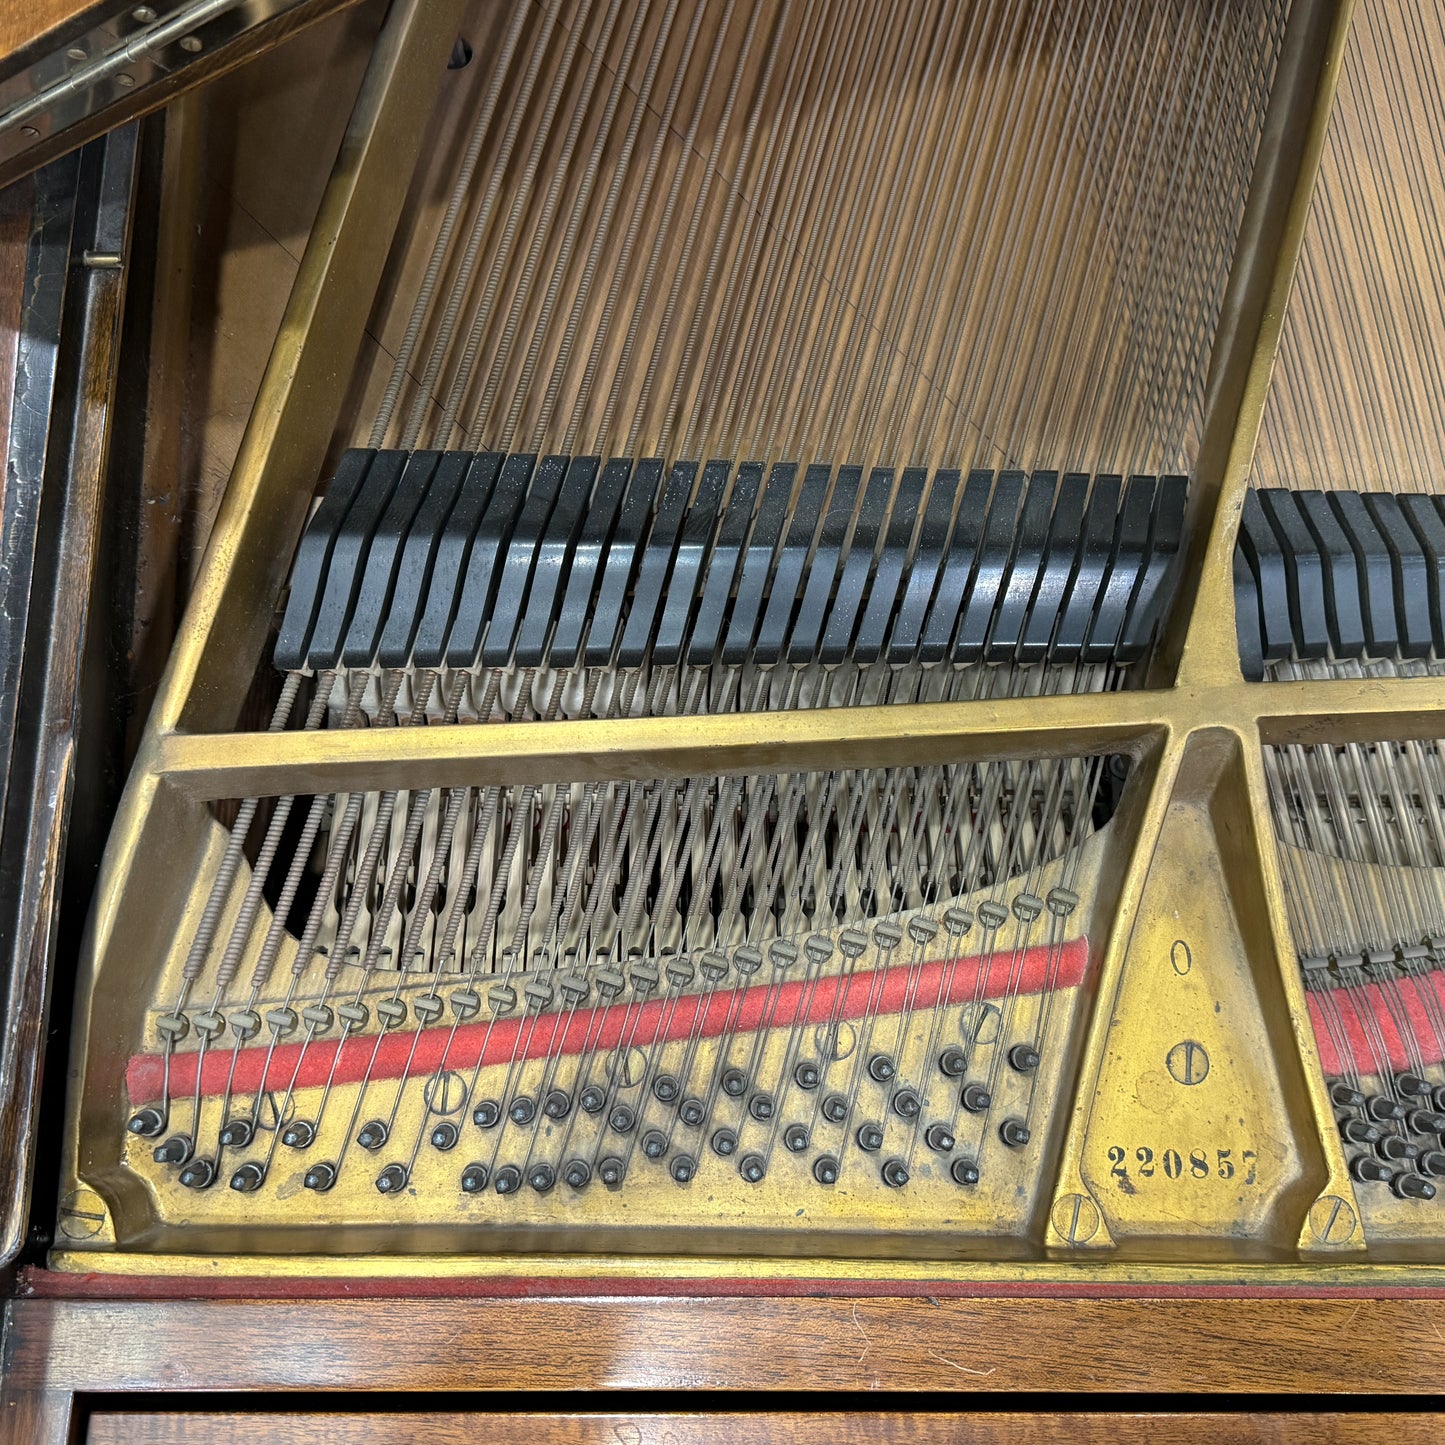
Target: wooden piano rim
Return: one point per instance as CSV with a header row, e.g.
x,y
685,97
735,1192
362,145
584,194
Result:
x,y
58,1348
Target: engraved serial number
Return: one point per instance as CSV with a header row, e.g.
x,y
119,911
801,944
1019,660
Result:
x,y
1144,1163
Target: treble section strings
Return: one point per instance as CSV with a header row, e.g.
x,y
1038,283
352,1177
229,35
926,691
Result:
x,y
922,234
1358,399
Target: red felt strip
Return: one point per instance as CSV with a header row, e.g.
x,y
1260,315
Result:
x,y
1355,1008
876,991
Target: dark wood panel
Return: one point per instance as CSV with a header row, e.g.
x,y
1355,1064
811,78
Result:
x,y
1294,1345
903,1428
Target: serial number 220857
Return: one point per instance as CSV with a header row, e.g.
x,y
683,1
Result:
x,y
1238,1165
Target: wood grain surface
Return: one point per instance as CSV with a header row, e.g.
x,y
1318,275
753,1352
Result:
x,y
1237,1345
854,1428
30,28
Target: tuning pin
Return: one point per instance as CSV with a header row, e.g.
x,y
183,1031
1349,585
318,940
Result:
x,y
825,1169
445,1136
198,1174
691,1112
870,1137
752,1169
1396,1149
1014,1133
734,1083
487,1114
320,1177
953,1062
392,1179
611,1171
176,1150
795,1138
1412,1186
654,1144
557,1104
975,1098
248,1178
299,1134
237,1133
522,1110
1383,1109
939,1138
895,1174
147,1122
881,1068
907,1104
835,1108
577,1174
1023,1058
682,1168
508,1179
724,1142
964,1171
1345,1097
541,1177
1359,1131
373,1135
1369,1170
806,1075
